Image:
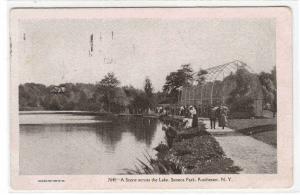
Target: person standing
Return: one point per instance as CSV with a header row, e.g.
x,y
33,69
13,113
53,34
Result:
x,y
218,115
181,111
212,118
223,118
194,116
186,112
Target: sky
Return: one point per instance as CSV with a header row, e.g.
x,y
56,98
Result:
x,y
59,51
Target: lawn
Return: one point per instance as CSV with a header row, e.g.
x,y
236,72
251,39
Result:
x,y
264,130
269,137
238,124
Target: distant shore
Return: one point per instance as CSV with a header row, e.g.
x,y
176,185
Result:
x,y
91,113
59,112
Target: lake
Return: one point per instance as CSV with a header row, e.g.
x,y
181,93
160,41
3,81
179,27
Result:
x,y
63,144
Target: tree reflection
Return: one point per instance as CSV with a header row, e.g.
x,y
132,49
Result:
x,y
143,130
109,134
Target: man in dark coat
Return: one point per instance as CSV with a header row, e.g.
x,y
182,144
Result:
x,y
218,115
212,118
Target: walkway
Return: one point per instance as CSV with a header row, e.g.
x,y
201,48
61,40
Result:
x,y
253,156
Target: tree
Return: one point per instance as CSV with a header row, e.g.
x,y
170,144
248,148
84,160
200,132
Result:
x,y
31,95
240,99
274,79
273,73
107,89
148,87
201,76
83,101
131,94
175,80
140,103
119,101
109,81
268,82
55,103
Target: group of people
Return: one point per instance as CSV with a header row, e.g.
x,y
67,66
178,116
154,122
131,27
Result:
x,y
160,110
190,114
218,114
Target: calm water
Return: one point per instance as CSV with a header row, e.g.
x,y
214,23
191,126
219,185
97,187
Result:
x,y
77,144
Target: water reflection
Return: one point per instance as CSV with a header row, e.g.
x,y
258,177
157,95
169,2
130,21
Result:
x,y
95,148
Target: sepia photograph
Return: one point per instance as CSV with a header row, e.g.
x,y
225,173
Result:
x,y
114,94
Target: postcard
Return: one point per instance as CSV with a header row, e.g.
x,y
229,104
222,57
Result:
x,y
151,98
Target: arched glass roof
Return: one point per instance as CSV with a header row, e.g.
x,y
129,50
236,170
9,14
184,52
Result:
x,y
221,71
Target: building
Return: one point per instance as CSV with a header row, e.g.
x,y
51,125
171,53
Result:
x,y
220,82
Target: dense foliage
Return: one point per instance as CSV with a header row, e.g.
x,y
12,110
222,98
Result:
x,y
269,87
105,96
201,76
240,99
176,80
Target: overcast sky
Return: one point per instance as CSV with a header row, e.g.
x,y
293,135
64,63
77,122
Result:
x,y
58,51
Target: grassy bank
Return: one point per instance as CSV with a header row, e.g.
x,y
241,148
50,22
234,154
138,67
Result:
x,y
239,124
264,133
194,151
264,130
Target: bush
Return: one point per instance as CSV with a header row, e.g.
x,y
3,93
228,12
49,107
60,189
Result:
x,y
240,115
243,105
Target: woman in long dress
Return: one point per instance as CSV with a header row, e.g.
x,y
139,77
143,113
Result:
x,y
194,116
223,118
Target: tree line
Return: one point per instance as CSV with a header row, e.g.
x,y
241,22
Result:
x,y
106,95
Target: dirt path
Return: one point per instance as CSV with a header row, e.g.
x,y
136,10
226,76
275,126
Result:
x,y
251,155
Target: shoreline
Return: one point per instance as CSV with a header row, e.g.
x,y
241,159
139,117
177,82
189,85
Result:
x,y
195,151
94,113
